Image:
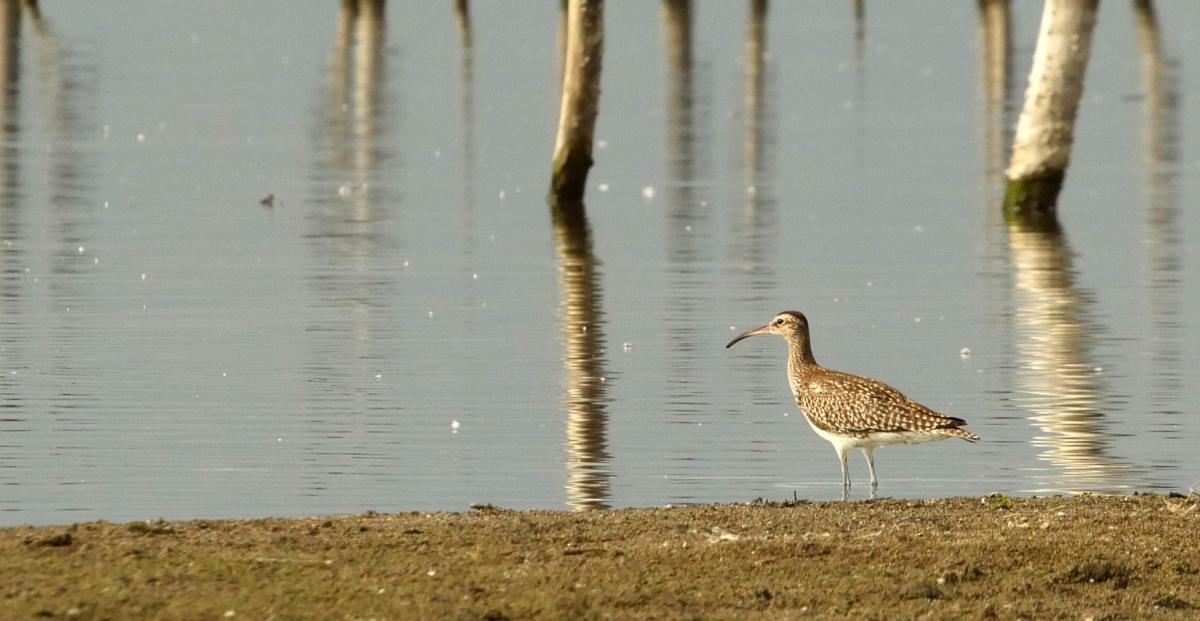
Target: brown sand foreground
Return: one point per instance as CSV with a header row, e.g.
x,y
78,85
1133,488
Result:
x,y
1127,557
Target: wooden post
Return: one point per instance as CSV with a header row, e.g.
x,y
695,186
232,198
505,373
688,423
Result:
x,y
995,70
1046,129
580,99
10,75
1164,247
675,24
752,96
754,135
10,50
462,15
860,28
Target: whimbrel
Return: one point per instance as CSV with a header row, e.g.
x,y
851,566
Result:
x,y
852,411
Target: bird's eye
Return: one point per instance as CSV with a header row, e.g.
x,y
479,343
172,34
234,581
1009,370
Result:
x,y
779,321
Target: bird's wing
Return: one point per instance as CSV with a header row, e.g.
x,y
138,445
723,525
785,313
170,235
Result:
x,y
852,403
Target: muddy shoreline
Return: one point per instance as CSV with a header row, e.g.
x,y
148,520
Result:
x,y
1100,557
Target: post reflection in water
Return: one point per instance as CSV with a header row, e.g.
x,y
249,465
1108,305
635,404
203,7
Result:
x,y
10,74
1060,384
688,243
349,333
676,25
757,225
996,122
14,419
1160,131
462,16
583,339
1056,337
1056,380
353,109
67,91
687,214
64,85
688,235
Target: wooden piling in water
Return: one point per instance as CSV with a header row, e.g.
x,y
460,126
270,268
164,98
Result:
x,y
580,99
1046,128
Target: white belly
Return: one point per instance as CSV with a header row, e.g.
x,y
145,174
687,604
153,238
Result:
x,y
877,439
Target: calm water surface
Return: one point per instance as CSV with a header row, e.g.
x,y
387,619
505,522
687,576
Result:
x,y
408,328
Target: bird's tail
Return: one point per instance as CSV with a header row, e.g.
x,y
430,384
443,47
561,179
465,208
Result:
x,y
959,433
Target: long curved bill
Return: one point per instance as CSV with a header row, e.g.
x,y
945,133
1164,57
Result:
x,y
749,333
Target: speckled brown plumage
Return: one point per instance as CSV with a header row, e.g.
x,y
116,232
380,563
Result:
x,y
852,411
858,406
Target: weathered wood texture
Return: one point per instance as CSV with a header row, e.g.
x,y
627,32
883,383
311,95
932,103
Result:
x,y
580,99
1046,128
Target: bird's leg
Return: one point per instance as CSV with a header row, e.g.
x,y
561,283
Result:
x,y
841,453
869,453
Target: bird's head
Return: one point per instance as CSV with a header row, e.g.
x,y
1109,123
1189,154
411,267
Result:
x,y
791,325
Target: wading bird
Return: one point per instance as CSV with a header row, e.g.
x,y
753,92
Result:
x,y
852,411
